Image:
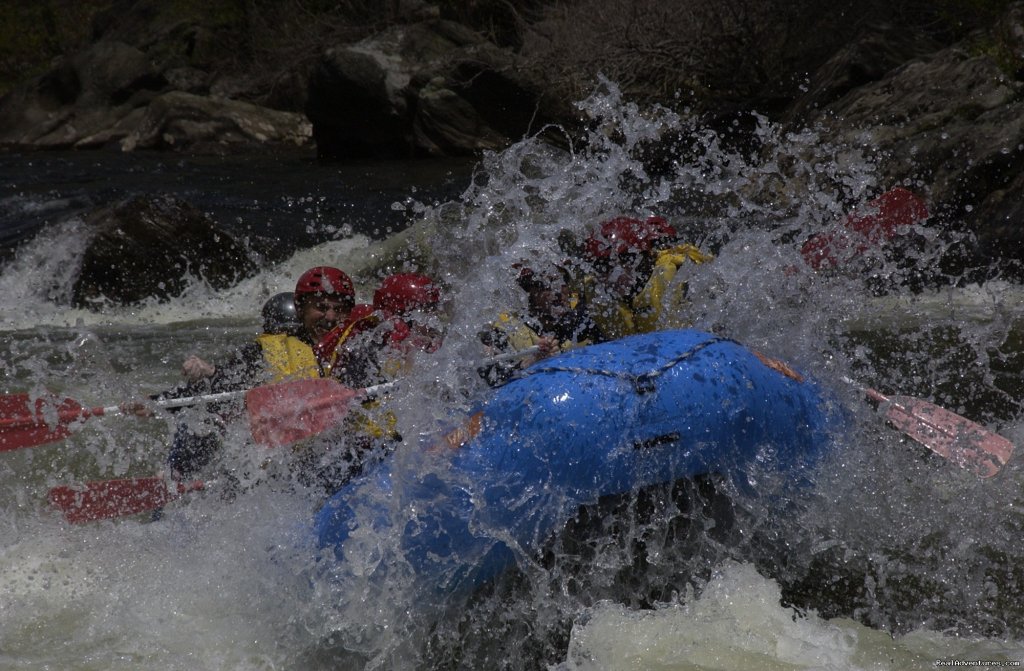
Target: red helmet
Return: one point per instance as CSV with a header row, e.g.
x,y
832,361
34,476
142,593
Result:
x,y
626,234
326,281
404,292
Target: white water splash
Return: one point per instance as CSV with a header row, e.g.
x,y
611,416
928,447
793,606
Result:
x,y
738,622
35,288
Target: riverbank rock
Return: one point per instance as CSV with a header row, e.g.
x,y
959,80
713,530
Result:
x,y
428,88
865,60
150,80
179,119
145,248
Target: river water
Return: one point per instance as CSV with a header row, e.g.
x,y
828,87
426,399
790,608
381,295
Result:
x,y
895,559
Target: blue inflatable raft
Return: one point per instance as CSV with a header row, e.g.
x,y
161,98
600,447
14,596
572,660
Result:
x,y
599,420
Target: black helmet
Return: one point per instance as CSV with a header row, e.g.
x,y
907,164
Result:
x,y
279,313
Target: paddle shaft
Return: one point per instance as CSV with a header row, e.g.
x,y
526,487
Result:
x,y
27,421
510,356
85,413
182,402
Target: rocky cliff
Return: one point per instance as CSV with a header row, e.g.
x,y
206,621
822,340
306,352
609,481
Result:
x,y
940,117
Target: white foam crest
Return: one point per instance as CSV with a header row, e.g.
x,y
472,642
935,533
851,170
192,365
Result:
x,y
41,274
738,622
200,590
533,192
36,286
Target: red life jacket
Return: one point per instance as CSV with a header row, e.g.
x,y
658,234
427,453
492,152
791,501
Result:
x,y
361,318
883,219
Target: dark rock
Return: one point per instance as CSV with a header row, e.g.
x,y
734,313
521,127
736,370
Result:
x,y
500,95
867,59
111,72
151,248
180,120
188,80
35,110
433,88
116,90
80,97
446,123
353,109
422,44
1002,234
952,123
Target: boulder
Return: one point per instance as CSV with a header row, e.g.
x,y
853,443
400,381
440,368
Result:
x,y
109,94
178,119
150,248
428,88
867,59
84,95
356,105
152,79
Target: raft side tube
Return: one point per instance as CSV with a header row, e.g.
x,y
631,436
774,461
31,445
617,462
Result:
x,y
600,420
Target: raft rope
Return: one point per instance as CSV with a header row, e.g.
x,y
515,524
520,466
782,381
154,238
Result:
x,y
642,383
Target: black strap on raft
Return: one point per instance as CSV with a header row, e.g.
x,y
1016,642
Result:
x,y
642,383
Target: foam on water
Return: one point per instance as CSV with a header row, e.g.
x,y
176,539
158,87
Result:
x,y
739,622
35,286
202,590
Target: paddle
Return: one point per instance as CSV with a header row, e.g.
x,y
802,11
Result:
x,y
278,415
285,413
965,443
27,421
107,499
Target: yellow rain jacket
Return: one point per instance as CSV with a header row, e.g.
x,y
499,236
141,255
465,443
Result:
x,y
287,357
657,305
521,335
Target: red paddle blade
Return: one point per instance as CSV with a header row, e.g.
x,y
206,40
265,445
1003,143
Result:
x,y
285,413
116,498
965,443
25,422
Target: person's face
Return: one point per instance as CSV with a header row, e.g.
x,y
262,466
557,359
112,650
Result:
x,y
549,305
620,276
426,329
320,314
